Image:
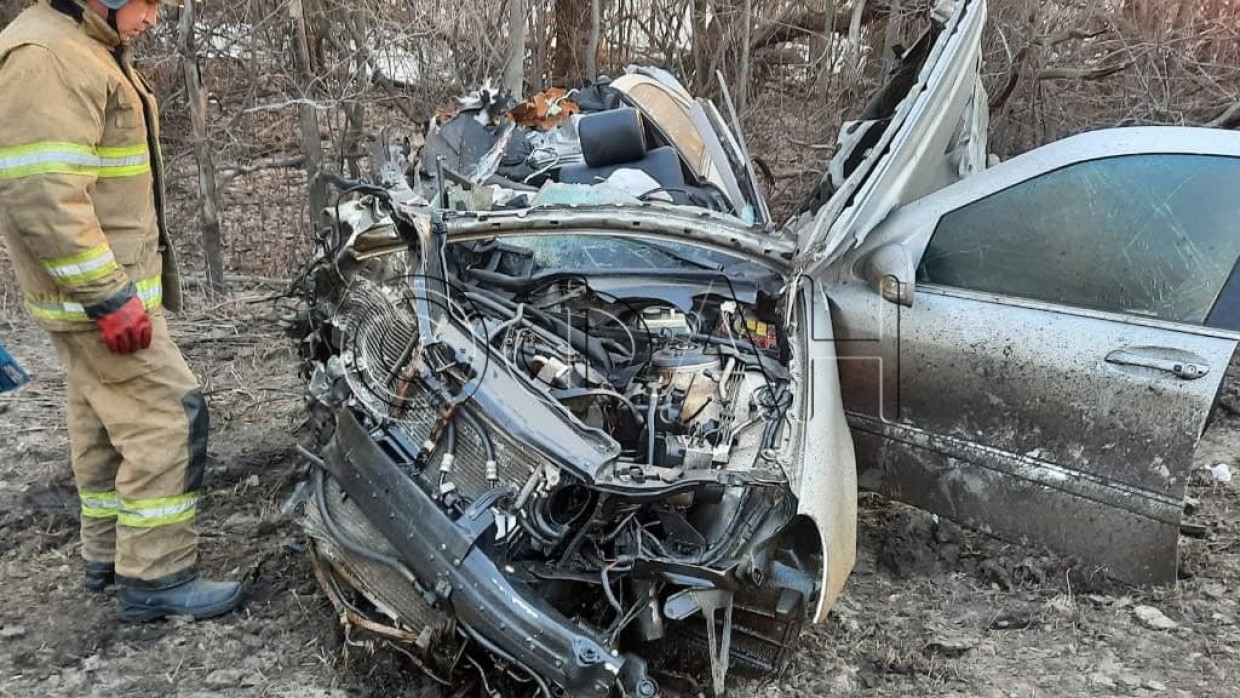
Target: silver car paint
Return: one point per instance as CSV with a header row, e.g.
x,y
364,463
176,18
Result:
x,y
1022,417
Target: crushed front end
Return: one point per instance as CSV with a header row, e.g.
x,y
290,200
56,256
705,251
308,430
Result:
x,y
548,477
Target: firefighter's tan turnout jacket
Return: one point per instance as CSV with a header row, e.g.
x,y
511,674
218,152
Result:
x,y
81,209
81,186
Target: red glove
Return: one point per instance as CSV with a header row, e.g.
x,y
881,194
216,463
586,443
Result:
x,y
128,329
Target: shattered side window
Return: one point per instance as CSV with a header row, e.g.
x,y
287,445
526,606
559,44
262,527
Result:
x,y
1153,235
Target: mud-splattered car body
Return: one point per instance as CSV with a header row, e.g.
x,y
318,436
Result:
x,y
581,411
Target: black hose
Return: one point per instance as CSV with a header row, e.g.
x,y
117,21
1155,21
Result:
x,y
498,307
775,407
578,339
548,529
550,327
752,357
698,411
483,435
611,596
343,538
523,520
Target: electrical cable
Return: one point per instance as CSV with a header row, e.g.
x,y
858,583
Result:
x,y
495,650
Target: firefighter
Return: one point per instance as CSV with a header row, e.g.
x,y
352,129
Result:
x,y
82,209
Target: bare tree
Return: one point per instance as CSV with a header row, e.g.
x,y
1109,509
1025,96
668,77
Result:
x,y
514,64
209,221
572,36
895,24
596,19
311,145
742,82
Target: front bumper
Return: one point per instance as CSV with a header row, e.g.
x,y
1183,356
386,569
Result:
x,y
500,615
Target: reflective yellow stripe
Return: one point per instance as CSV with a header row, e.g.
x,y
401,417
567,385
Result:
x,y
126,161
55,157
124,151
82,257
151,291
127,171
83,268
99,505
52,308
65,309
150,513
51,157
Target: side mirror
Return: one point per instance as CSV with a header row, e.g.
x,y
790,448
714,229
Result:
x,y
889,271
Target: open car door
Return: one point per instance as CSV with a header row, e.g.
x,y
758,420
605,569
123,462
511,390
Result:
x,y
1033,350
1047,372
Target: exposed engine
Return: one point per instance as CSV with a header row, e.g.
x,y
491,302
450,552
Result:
x,y
544,478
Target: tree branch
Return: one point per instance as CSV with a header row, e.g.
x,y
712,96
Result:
x,y
1228,119
225,175
1083,73
1069,35
796,22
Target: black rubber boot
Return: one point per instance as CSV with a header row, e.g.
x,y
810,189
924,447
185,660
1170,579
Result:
x,y
99,576
139,601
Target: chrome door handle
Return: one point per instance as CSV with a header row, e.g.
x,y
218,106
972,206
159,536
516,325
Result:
x,y
1186,370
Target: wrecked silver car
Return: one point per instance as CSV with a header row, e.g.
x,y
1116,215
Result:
x,y
564,421
582,412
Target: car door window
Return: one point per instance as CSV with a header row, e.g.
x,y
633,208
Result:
x,y
1154,235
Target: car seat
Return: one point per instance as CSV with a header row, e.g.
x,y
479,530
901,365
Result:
x,y
616,139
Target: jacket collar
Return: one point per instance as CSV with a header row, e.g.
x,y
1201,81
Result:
x,y
96,27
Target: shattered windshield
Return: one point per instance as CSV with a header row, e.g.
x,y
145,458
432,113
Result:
x,y
612,252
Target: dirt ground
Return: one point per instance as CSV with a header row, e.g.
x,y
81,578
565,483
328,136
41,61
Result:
x,y
930,611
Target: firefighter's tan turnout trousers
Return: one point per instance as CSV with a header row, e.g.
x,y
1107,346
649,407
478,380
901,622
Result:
x,y
138,437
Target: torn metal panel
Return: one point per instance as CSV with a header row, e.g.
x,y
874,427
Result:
x,y
926,130
1131,533
827,493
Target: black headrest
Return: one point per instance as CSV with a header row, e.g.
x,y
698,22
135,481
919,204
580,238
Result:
x,y
662,164
612,137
